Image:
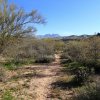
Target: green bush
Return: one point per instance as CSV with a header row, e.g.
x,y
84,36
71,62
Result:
x,y
12,65
81,73
15,64
64,61
7,96
64,56
93,65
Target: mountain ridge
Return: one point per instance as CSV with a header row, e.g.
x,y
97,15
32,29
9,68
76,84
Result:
x,y
63,37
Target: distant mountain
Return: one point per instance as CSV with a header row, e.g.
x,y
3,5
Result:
x,y
65,38
49,36
75,37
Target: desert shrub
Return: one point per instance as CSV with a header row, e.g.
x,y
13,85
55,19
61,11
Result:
x,y
15,64
26,50
65,61
59,46
74,50
86,51
97,67
64,58
44,59
92,65
12,65
88,92
44,51
81,72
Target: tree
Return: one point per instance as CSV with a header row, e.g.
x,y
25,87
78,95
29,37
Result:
x,y
15,22
98,34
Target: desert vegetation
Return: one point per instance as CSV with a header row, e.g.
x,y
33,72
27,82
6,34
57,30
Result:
x,y
34,68
81,62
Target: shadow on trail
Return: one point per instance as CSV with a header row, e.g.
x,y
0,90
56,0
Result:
x,y
34,68
32,75
65,85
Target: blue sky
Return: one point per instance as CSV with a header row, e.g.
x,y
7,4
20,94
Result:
x,y
65,17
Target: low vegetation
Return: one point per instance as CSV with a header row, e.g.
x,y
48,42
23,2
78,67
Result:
x,y
79,60
88,92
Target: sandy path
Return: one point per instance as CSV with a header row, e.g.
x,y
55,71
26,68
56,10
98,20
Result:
x,y
42,83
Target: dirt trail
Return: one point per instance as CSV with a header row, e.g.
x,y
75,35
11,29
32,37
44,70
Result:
x,y
42,83
37,82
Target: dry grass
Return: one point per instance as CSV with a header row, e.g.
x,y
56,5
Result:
x,y
18,86
60,88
